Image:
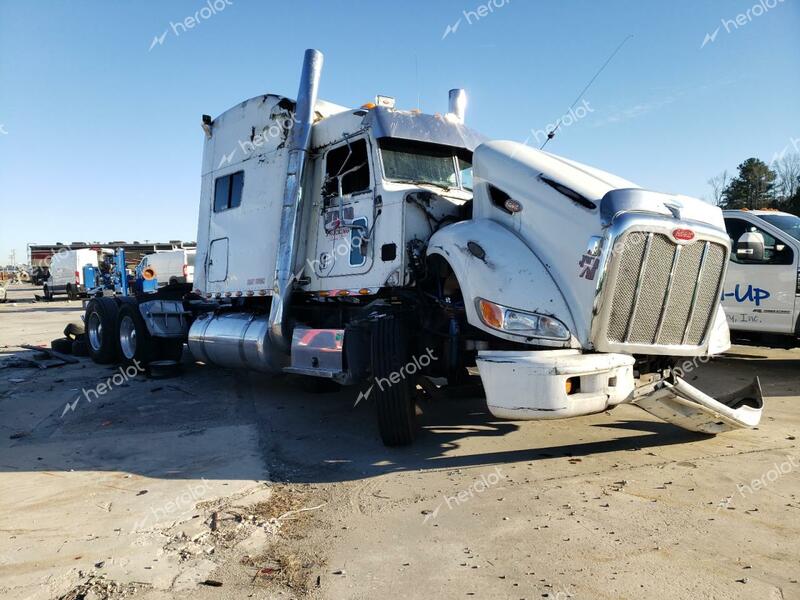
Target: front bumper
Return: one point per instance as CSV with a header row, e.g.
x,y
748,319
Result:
x,y
533,385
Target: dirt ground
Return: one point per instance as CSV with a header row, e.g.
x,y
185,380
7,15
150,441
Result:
x,y
222,484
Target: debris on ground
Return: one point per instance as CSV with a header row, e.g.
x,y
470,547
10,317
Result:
x,y
97,587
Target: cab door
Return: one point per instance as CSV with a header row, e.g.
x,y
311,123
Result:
x,y
760,291
347,206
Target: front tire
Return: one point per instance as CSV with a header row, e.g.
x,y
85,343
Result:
x,y
136,345
396,406
101,330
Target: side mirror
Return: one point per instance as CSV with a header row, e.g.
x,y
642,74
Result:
x,y
750,247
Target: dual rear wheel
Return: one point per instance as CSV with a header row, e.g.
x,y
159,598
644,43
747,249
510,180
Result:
x,y
117,332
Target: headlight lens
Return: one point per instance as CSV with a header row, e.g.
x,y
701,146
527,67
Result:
x,y
521,323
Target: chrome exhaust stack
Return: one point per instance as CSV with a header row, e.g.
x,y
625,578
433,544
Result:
x,y
298,145
458,105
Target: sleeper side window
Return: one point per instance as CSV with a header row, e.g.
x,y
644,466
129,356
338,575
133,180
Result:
x,y
349,165
228,191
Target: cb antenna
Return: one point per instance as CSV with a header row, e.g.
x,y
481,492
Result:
x,y
552,134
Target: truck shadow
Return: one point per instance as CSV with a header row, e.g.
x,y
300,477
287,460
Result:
x,y
221,424
340,443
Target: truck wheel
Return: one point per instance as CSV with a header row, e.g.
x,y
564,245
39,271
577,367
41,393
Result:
x,y
135,342
397,419
72,293
101,330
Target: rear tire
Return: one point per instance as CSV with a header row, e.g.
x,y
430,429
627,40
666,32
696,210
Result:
x,y
72,292
396,407
136,345
101,330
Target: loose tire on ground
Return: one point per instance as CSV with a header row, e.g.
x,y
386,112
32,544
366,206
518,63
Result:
x,y
73,330
136,345
80,346
101,330
62,345
396,407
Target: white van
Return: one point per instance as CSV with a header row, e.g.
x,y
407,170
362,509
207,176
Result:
x,y
760,295
170,266
66,273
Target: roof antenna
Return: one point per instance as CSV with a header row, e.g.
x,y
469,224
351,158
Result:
x,y
552,134
416,77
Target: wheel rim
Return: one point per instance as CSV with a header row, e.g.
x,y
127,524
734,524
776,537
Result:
x,y
95,330
127,337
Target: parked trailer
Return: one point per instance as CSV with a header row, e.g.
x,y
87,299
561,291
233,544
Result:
x,y
371,246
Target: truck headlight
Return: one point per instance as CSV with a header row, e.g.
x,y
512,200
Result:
x,y
521,323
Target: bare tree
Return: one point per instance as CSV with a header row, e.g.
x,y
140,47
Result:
x,y
718,185
787,169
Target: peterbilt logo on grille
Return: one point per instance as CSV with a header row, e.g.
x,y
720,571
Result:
x,y
684,235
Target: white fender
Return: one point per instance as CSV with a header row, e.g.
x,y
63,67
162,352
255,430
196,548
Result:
x,y
508,273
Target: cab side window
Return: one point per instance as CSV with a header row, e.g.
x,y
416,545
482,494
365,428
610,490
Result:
x,y
349,165
776,252
228,191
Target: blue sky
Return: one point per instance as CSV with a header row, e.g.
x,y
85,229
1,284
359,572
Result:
x,y
101,135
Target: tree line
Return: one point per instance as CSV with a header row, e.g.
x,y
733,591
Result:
x,y
761,185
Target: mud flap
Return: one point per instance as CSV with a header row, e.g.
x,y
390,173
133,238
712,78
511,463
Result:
x,y
675,401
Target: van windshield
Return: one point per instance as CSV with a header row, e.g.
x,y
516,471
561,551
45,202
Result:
x,y
416,162
787,223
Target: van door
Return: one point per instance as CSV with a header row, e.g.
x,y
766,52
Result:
x,y
343,246
759,291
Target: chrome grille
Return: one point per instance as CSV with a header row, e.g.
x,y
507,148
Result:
x,y
665,293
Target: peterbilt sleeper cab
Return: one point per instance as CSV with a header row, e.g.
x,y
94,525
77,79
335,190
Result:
x,y
373,247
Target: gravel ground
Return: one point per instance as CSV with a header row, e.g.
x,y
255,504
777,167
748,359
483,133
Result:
x,y
221,484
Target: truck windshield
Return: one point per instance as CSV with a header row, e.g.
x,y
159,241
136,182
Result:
x,y
414,162
787,223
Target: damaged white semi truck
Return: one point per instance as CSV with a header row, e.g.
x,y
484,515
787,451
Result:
x,y
348,244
